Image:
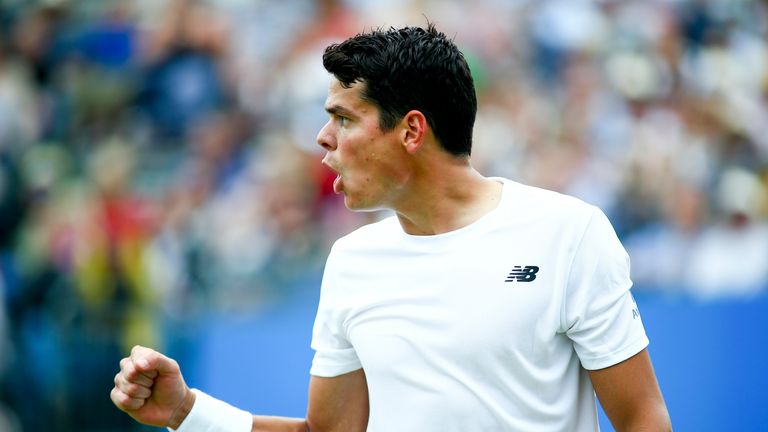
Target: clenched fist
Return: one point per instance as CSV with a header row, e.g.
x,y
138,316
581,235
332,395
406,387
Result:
x,y
151,389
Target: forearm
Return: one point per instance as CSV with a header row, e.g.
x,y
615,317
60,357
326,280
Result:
x,y
200,411
279,424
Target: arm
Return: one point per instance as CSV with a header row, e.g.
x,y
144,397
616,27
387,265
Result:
x,y
630,395
338,404
151,389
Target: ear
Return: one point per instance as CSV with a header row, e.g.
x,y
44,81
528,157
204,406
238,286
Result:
x,y
414,130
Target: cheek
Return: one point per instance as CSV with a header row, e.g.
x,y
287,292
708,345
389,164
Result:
x,y
356,155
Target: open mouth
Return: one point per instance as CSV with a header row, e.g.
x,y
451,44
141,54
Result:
x,y
338,183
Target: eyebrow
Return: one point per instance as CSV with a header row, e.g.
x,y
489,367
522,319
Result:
x,y
339,110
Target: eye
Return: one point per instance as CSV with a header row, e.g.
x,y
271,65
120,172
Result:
x,y
342,120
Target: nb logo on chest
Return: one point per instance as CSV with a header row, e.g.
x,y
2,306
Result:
x,y
522,274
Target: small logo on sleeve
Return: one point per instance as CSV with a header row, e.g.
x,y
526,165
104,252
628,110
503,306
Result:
x,y
635,311
522,274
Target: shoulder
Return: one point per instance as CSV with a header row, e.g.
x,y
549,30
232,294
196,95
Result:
x,y
547,205
364,237
354,250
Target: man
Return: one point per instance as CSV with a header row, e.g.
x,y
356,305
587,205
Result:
x,y
481,305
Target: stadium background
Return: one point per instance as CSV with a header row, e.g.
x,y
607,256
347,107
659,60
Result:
x,y
159,184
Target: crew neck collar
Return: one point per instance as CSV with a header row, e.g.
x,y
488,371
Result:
x,y
507,187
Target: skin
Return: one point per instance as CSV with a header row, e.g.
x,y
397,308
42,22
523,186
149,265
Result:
x,y
432,192
630,395
403,169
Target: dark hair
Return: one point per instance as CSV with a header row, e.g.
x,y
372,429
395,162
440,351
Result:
x,y
411,68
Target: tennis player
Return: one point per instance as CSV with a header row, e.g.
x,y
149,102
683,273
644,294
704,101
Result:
x,y
482,304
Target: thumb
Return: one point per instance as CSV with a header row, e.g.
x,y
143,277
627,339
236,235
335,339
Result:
x,y
151,362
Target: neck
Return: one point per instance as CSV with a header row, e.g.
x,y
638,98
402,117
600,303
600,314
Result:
x,y
446,197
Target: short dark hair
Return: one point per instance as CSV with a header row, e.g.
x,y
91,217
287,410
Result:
x,y
411,68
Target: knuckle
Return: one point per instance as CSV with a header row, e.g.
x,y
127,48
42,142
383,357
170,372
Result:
x,y
139,351
132,390
140,392
136,403
127,367
118,398
129,371
129,402
121,397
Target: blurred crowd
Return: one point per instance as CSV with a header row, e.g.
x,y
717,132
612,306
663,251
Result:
x,y
158,159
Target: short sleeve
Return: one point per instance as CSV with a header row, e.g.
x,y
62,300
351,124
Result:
x,y
600,315
334,354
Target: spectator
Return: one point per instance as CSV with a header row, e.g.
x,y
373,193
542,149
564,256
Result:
x,y
730,258
185,74
212,197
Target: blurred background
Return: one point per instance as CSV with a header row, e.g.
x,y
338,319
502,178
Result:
x,y
160,184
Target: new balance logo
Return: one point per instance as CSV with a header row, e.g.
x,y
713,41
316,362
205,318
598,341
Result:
x,y
522,274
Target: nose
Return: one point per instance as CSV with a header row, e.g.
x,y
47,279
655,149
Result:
x,y
325,138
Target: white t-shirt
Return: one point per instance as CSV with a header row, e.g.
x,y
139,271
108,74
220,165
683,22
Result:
x,y
485,328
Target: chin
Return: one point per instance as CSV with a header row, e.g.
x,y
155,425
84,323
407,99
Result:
x,y
360,205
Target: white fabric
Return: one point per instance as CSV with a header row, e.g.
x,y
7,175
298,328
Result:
x,y
209,414
447,344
